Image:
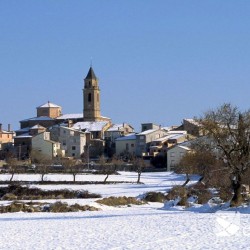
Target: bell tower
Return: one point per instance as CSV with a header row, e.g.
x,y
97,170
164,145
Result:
x,y
91,97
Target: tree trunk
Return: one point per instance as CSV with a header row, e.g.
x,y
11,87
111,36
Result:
x,y
139,177
187,180
74,177
42,177
237,196
12,175
106,178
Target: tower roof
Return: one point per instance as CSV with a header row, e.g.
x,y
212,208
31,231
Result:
x,y
91,74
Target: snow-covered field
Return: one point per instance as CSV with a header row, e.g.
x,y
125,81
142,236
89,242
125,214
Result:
x,y
150,226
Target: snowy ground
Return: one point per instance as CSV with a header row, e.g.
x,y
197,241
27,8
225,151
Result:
x,y
149,226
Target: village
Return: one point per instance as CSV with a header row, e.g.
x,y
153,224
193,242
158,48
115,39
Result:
x,y
52,136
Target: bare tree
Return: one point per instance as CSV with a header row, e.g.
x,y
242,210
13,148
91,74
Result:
x,y
116,162
198,161
43,167
105,168
229,130
13,166
72,167
138,166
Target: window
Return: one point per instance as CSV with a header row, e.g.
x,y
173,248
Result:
x,y
64,143
132,145
73,147
97,97
73,154
89,97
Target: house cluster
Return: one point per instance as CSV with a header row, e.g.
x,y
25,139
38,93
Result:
x,y
54,135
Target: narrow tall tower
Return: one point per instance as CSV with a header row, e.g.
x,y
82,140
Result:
x,y
91,97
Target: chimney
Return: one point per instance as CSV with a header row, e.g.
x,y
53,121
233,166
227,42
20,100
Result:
x,y
8,127
70,123
0,126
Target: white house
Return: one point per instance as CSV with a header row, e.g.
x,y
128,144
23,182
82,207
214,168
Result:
x,y
144,139
125,144
73,141
45,149
117,130
174,155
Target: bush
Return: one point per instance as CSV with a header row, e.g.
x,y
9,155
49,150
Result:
x,y
178,192
225,194
13,192
9,197
57,207
119,201
155,197
203,195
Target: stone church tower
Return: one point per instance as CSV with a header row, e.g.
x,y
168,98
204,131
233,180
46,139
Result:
x,y
91,98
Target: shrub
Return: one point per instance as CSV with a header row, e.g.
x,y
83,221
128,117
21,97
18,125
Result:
x,y
225,194
13,192
178,192
119,201
155,197
203,195
9,197
57,207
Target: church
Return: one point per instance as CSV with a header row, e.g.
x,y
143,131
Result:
x,y
99,132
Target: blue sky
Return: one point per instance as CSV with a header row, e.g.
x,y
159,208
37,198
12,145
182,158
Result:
x,y
157,60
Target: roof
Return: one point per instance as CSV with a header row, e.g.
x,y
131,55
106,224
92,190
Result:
x,y
26,135
127,137
91,74
49,105
90,126
192,121
37,127
115,127
149,131
71,129
39,118
70,116
186,148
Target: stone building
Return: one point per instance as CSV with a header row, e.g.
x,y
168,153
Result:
x,y
6,137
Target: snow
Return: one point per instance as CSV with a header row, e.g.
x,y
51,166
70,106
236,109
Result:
x,y
149,226
49,105
131,136
90,126
70,116
149,131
